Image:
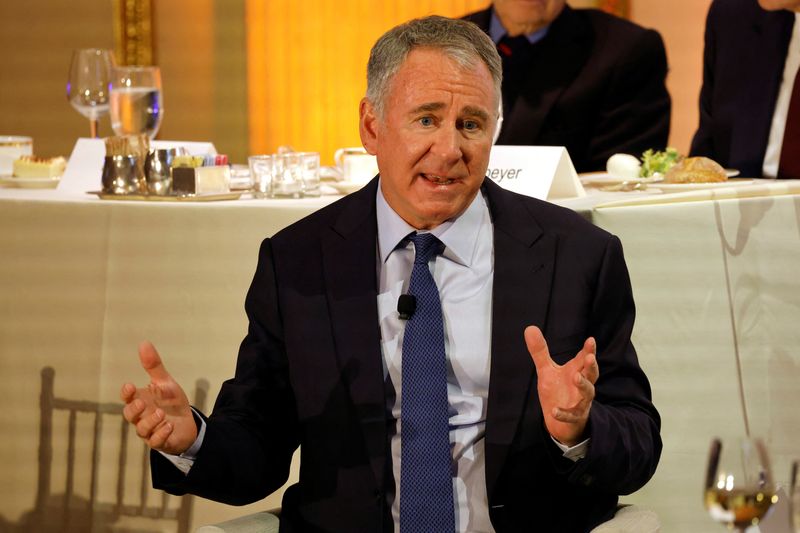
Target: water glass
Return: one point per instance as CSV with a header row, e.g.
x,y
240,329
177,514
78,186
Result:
x,y
137,105
287,176
13,147
309,169
261,174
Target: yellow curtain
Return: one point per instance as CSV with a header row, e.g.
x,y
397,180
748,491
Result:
x,y
306,66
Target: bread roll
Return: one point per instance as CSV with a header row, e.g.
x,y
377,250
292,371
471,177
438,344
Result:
x,y
695,170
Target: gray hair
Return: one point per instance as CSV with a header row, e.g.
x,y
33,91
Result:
x,y
460,40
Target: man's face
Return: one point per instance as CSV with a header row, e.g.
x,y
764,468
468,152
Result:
x,y
773,5
433,140
526,16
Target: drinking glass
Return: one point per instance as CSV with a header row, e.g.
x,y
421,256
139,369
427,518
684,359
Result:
x,y
287,176
137,105
794,498
739,487
88,83
261,174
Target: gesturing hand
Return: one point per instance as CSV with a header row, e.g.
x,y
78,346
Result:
x,y
565,391
160,411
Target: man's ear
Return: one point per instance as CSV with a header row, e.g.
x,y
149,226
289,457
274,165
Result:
x,y
368,126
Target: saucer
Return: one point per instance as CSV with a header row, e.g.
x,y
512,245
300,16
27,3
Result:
x,y
346,187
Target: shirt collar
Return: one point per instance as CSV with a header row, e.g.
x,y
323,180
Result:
x,y
457,235
497,31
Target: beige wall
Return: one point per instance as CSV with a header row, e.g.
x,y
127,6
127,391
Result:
x,y
36,39
202,50
681,24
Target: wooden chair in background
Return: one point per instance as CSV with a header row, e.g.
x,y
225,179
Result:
x,y
69,512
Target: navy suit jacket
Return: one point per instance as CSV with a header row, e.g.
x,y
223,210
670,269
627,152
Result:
x,y
596,85
745,52
310,373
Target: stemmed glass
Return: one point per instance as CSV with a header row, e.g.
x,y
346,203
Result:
x,y
88,84
137,105
739,487
794,498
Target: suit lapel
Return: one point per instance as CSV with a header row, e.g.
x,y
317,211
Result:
x,y
349,259
523,270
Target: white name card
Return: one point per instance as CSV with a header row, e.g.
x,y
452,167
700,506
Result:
x,y
544,172
85,167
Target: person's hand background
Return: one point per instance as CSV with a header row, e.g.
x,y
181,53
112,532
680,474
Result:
x,y
565,391
160,411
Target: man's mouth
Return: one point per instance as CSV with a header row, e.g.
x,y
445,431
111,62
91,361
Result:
x,y
439,180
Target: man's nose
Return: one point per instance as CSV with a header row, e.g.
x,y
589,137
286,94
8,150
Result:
x,y
447,144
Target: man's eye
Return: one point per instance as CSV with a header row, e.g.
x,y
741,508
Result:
x,y
471,125
426,121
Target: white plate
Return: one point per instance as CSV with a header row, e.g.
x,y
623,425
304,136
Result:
x,y
29,183
731,172
678,187
345,187
604,178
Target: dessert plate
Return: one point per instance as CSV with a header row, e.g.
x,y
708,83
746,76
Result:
x,y
29,183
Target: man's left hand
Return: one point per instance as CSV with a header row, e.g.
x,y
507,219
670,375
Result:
x,y
565,391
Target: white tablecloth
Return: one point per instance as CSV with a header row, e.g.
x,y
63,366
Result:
x,y
82,281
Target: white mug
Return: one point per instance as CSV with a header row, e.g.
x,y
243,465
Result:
x,y
13,147
355,164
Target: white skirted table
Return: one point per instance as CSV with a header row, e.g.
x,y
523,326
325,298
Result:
x,y
82,281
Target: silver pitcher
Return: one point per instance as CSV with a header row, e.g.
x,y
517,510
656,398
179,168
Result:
x,y
123,174
157,167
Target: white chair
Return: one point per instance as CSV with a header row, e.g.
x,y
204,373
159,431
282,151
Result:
x,y
263,522
628,519
631,519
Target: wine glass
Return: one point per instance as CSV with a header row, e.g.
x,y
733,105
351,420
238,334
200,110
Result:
x,y
137,105
88,84
739,487
794,498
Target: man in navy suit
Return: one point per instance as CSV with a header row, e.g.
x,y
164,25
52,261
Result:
x,y
579,78
543,434
749,69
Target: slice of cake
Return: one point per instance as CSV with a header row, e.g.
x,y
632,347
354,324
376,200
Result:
x,y
29,166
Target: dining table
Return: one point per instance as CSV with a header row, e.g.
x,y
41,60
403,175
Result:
x,y
84,280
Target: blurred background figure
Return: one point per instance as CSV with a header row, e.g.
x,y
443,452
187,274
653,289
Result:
x,y
579,78
752,52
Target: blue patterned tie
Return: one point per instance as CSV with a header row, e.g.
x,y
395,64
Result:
x,y
426,474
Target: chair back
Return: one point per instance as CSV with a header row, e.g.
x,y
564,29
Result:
x,y
68,512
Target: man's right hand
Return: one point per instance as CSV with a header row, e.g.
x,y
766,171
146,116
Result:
x,y
160,411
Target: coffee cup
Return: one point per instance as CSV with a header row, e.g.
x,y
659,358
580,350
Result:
x,y
12,147
355,165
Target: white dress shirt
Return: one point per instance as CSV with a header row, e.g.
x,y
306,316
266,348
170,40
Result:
x,y
464,277
772,155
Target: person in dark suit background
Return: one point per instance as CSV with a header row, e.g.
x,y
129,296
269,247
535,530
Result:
x,y
579,78
749,70
544,433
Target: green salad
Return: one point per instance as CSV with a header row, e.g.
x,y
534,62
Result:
x,y
654,162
